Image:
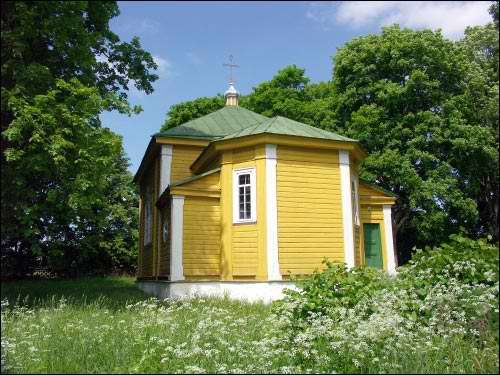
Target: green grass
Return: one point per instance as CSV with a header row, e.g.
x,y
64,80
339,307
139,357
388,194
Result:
x,y
106,325
112,291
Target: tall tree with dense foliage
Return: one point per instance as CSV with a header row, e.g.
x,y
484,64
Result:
x,y
67,197
407,96
479,107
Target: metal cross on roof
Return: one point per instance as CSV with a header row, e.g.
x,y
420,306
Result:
x,y
231,66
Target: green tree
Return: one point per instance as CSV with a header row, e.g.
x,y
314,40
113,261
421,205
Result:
x,y
287,94
401,94
43,41
67,197
478,106
183,112
494,11
80,213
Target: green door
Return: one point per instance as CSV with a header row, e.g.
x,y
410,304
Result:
x,y
373,245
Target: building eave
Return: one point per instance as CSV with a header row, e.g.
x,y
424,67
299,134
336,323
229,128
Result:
x,y
217,146
157,140
146,159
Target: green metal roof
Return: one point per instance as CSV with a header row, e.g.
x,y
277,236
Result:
x,y
285,126
217,124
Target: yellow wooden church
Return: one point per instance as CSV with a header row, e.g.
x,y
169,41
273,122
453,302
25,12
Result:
x,y
234,203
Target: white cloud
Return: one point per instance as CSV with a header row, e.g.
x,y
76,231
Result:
x,y
452,17
164,66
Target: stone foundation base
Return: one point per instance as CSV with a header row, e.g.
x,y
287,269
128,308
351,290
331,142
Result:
x,y
250,291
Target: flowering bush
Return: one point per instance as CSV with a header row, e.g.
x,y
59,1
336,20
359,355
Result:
x,y
361,320
335,287
463,259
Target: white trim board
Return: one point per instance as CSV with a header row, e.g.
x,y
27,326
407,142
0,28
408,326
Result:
x,y
273,266
345,188
165,167
391,261
176,226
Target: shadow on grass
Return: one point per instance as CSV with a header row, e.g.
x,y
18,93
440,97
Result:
x,y
112,292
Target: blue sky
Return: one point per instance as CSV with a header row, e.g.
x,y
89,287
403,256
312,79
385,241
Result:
x,y
191,40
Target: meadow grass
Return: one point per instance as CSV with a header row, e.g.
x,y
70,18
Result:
x,y
113,291
96,325
106,325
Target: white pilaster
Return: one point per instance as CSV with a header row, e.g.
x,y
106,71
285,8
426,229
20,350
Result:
x,y
165,167
345,187
177,223
273,266
391,261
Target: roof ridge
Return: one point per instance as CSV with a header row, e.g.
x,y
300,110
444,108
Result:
x,y
272,121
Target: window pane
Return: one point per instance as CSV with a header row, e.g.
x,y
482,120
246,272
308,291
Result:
x,y
244,196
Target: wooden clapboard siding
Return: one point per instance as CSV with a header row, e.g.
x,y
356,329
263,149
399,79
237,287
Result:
x,y
366,190
156,218
182,158
146,253
309,209
147,261
243,155
245,237
164,267
357,248
210,182
201,242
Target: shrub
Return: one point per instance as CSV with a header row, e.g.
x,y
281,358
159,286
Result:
x,y
463,259
443,305
334,287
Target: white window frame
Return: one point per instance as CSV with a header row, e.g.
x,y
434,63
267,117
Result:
x,y
253,196
355,204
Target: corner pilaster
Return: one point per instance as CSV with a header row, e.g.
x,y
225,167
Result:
x,y
345,187
273,266
226,202
177,228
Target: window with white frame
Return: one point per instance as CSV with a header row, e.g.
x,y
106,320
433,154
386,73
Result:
x,y
148,216
354,200
244,196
